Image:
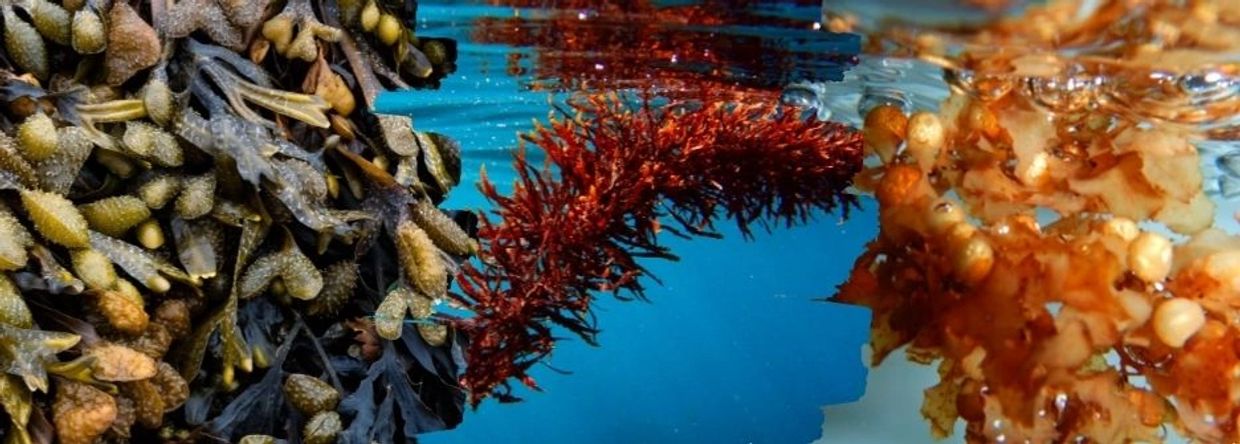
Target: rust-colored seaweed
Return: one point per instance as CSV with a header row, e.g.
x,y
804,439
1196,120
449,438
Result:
x,y
579,228
1025,243
681,50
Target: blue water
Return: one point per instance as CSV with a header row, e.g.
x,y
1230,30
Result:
x,y
733,349
736,345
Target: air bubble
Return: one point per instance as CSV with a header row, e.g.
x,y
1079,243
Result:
x,y
805,99
1208,87
1064,94
800,96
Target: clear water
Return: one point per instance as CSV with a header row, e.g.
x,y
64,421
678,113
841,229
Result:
x,y
736,346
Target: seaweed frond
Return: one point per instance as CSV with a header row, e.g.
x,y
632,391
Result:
x,y
226,72
620,168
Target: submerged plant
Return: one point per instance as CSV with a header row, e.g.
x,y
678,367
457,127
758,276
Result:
x,y
300,297
1054,250
619,169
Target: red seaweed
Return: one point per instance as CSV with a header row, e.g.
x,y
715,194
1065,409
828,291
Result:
x,y
681,50
578,225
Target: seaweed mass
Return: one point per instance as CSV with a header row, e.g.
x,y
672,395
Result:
x,y
206,234
204,230
1047,235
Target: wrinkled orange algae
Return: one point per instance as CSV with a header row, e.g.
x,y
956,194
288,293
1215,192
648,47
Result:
x,y
1042,333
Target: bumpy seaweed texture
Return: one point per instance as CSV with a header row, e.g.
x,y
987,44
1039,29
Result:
x,y
1054,251
187,217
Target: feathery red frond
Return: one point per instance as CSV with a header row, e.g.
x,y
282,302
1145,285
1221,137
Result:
x,y
578,228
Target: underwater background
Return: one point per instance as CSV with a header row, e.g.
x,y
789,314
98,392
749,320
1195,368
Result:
x,y
736,344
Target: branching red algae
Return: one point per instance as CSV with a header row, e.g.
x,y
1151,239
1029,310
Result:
x,y
618,169
682,51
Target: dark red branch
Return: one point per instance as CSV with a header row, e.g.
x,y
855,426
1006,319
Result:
x,y
681,49
577,225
